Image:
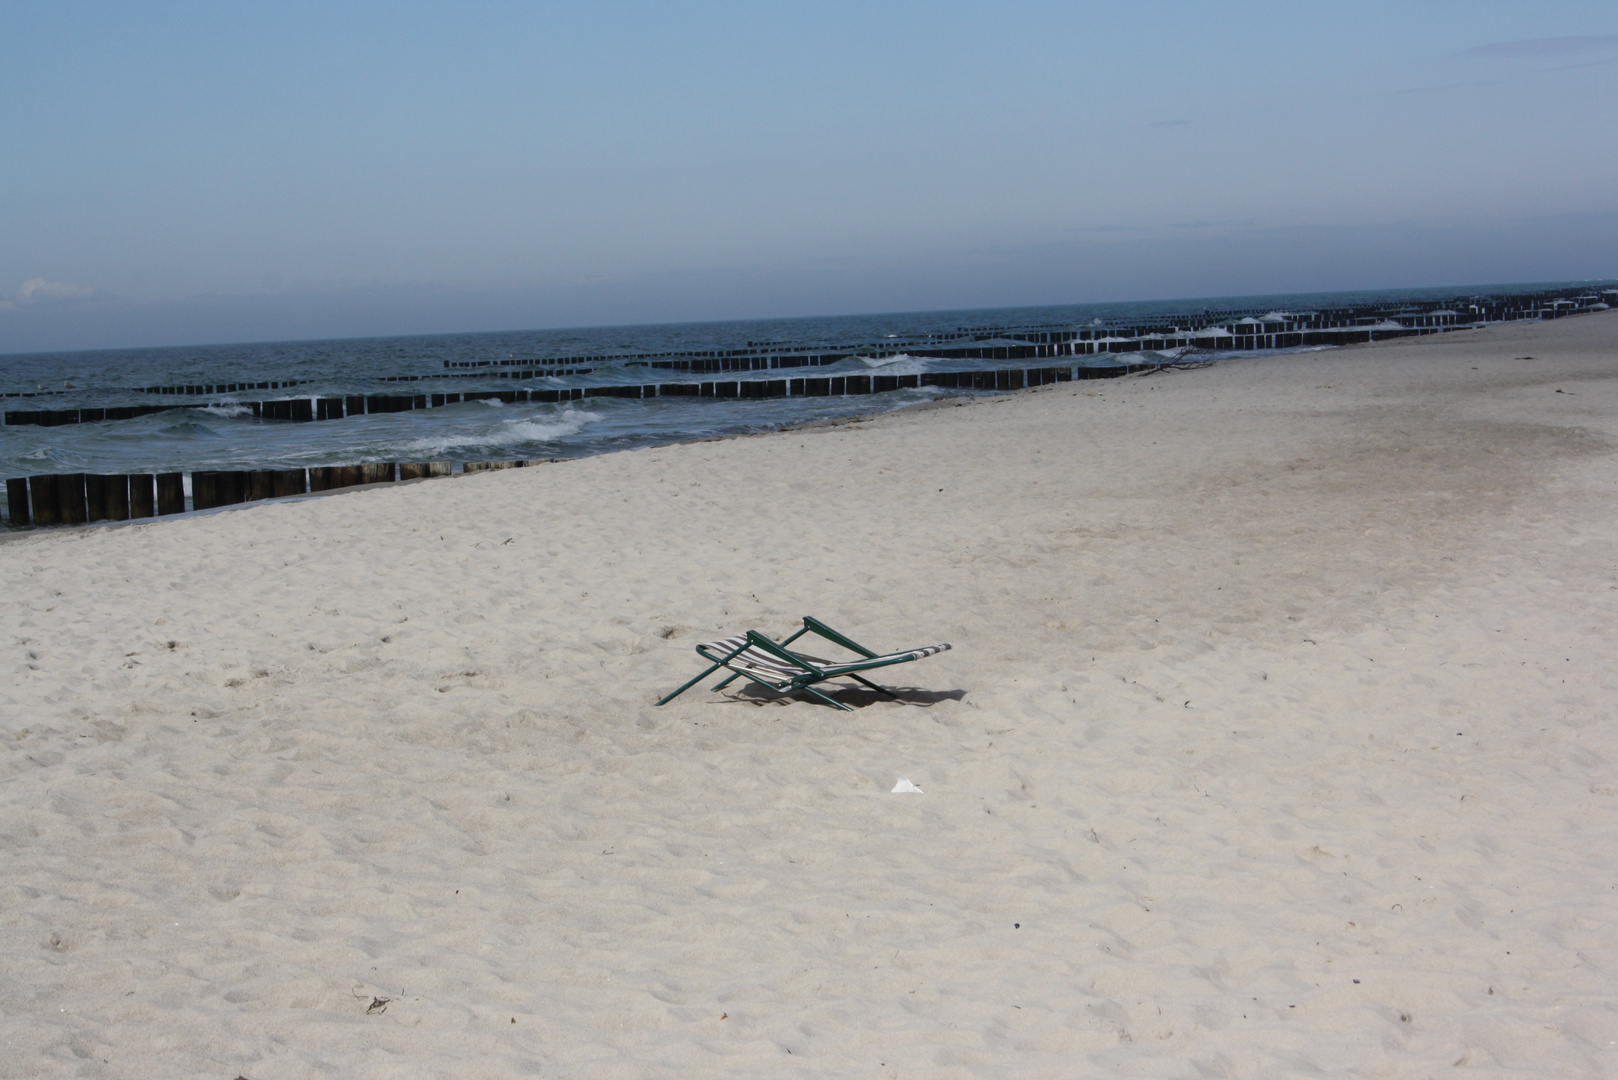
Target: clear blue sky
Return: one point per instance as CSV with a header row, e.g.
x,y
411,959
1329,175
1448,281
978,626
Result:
x,y
186,173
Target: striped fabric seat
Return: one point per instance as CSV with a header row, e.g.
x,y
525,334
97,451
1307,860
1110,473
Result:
x,y
757,660
753,657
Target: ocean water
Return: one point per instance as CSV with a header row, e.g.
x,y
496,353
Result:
x,y
225,435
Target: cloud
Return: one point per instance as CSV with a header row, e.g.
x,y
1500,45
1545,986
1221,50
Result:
x,y
37,292
1556,46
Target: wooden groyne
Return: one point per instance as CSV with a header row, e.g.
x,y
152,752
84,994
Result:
x,y
78,498
337,408
1232,329
192,390
1227,330
81,498
85,498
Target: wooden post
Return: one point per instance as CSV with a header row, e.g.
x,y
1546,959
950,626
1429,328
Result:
x,y
285,482
261,482
377,473
17,501
118,498
70,498
347,475
107,497
43,489
170,493
320,478
142,496
203,494
212,489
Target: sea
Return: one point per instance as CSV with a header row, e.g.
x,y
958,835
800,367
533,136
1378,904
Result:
x,y
223,434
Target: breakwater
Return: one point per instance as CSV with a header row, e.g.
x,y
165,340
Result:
x,y
1094,348
338,408
1237,329
89,498
295,407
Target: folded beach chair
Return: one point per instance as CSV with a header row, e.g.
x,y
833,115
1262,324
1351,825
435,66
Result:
x,y
754,657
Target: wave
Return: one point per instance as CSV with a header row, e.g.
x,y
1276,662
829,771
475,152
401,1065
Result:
x,y
901,364
533,429
226,409
189,427
515,432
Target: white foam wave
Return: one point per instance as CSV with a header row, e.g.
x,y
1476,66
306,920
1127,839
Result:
x,y
515,432
226,409
534,429
901,364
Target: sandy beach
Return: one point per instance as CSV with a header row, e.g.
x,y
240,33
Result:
x,y
1277,739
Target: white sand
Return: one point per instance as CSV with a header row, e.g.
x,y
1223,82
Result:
x,y
1278,740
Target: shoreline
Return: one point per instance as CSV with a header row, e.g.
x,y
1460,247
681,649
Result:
x,y
10,533
1276,736
247,421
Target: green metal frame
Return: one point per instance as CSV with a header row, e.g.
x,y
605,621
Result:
x,y
814,671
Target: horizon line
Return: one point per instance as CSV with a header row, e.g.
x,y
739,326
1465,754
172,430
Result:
x,y
1458,290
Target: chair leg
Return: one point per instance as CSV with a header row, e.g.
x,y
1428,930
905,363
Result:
x,y
692,683
874,686
833,702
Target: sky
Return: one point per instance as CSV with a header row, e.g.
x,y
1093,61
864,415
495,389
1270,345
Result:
x,y
175,173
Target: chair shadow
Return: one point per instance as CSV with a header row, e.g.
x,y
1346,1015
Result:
x,y
855,697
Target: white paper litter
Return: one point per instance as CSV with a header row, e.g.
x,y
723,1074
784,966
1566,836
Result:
x,y
905,787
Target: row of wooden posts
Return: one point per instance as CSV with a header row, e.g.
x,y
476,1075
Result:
x,y
1268,332
81,498
1227,329
1240,328
303,410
